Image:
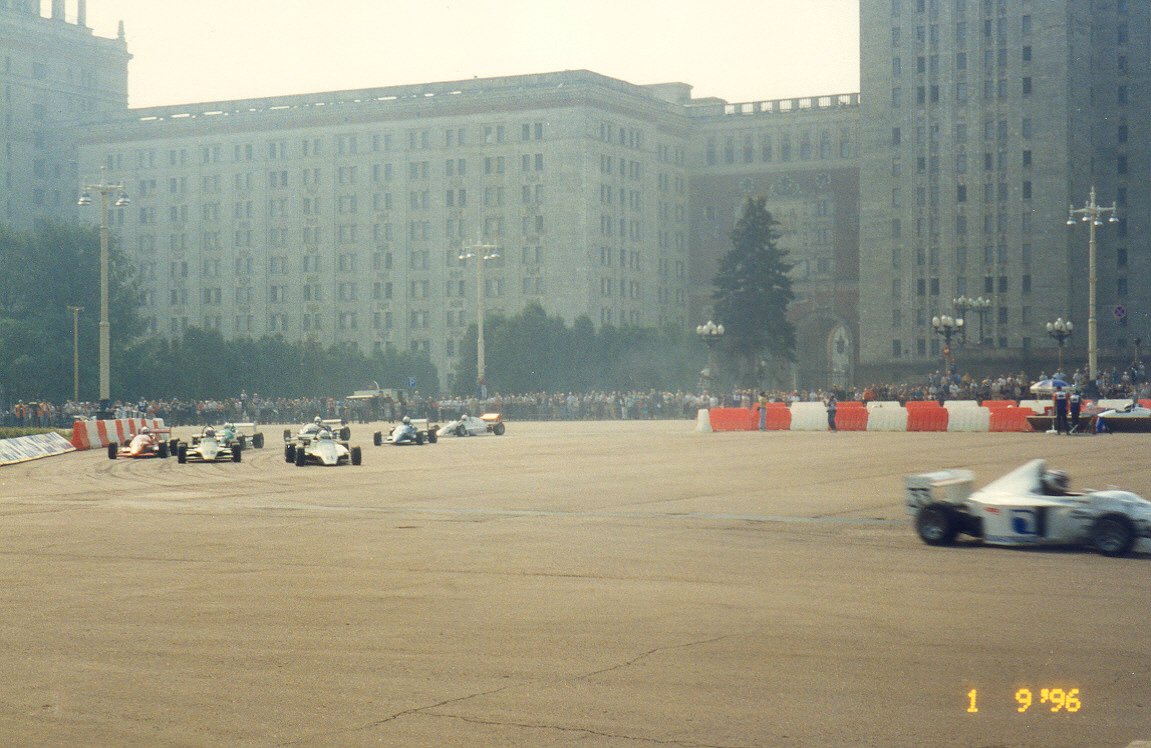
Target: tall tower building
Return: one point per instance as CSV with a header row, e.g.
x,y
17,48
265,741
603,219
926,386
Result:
x,y
982,121
56,78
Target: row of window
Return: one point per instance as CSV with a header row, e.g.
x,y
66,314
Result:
x,y
747,148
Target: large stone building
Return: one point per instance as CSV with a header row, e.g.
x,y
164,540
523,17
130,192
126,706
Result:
x,y
55,78
982,120
342,216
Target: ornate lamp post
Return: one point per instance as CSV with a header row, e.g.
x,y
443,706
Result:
x,y
963,304
105,190
710,333
481,253
948,327
1092,214
1060,329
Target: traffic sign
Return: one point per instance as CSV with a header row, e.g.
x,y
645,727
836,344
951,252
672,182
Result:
x,y
411,383
1120,311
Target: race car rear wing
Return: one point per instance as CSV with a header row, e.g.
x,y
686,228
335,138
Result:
x,y
952,486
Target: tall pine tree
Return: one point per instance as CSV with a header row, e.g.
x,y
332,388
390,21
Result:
x,y
752,291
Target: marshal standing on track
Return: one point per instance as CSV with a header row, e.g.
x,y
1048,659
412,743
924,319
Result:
x,y
1060,401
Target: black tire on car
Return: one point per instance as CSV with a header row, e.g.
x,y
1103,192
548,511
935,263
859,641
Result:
x,y
289,453
419,439
113,449
357,456
378,438
237,453
258,441
461,430
301,457
287,434
433,437
498,429
163,450
182,454
1112,536
346,433
936,524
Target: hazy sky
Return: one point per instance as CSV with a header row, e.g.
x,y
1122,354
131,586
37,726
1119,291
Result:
x,y
741,50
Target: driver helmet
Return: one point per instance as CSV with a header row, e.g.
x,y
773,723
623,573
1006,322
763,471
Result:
x,y
317,420
229,427
1056,481
145,430
406,419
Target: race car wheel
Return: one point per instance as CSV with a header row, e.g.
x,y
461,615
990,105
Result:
x,y
346,433
287,434
378,438
113,448
498,429
237,453
936,525
173,445
461,430
258,441
182,454
242,440
289,453
1112,536
163,450
419,439
433,437
301,457
357,456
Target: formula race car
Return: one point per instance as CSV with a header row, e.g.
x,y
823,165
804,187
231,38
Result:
x,y
148,443
337,426
210,446
243,434
465,425
1030,506
321,448
409,431
1133,418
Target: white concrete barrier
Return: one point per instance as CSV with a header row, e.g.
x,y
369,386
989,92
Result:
x,y
703,420
953,405
975,418
25,448
807,416
1037,406
883,404
887,418
1113,403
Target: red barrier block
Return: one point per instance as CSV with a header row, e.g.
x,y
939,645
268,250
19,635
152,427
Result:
x,y
996,404
1010,419
851,418
778,417
922,417
734,419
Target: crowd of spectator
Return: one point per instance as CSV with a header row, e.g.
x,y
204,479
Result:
x,y
569,406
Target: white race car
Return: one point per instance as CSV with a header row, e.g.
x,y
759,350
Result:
x,y
465,425
415,431
210,446
1027,507
321,448
244,434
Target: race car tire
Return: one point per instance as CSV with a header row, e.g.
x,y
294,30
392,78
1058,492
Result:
x,y
182,454
163,450
357,456
289,453
346,433
936,524
173,445
498,429
287,434
419,439
433,437
237,453
258,441
113,450
1112,536
378,438
301,457
461,430
242,440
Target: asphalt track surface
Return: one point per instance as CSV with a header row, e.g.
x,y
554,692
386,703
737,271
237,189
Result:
x,y
614,584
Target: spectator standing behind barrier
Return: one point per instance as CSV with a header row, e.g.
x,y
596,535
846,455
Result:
x,y
831,406
1060,401
762,401
1074,401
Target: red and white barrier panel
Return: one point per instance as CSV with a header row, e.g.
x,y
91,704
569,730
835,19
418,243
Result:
x,y
25,448
929,415
99,434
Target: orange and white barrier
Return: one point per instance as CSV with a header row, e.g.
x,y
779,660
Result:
x,y
99,434
915,415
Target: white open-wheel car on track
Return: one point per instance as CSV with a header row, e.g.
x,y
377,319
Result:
x,y
415,431
323,443
1030,506
210,446
150,442
465,425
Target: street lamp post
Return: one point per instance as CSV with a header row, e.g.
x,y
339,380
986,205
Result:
x,y
963,304
106,190
1092,214
948,327
710,333
481,253
1060,329
75,310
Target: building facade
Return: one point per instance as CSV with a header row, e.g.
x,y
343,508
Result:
x,y
982,120
56,78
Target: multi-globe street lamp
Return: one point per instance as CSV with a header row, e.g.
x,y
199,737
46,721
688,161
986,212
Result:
x,y
948,327
1092,214
105,190
481,253
710,333
979,305
1060,329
